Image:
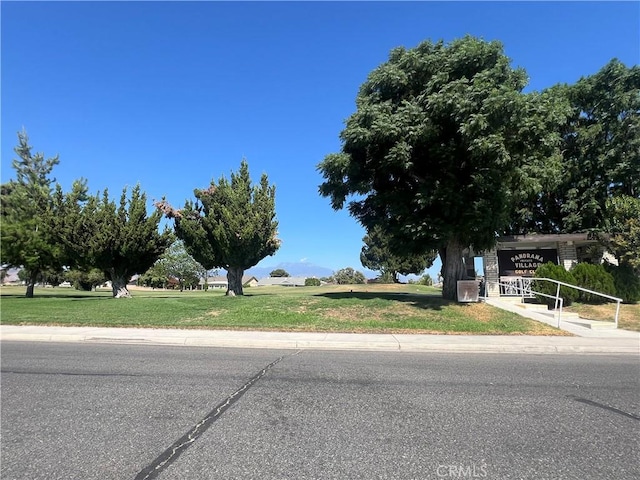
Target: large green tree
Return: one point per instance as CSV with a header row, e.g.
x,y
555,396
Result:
x,y
600,154
377,254
601,145
441,147
231,225
28,235
176,263
119,239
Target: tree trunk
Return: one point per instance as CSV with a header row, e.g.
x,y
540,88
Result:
x,y
30,286
234,281
31,282
119,287
452,268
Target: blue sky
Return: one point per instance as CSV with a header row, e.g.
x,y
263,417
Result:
x,y
173,94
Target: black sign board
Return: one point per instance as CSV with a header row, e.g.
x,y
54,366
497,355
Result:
x,y
523,263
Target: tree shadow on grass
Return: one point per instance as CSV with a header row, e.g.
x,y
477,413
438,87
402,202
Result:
x,y
58,295
418,300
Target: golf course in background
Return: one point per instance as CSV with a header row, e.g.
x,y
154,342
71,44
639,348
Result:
x,y
336,308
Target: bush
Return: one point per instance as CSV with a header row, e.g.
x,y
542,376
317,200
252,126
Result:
x,y
626,281
311,282
596,278
555,272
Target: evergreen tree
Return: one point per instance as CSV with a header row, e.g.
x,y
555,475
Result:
x,y
28,233
231,225
120,240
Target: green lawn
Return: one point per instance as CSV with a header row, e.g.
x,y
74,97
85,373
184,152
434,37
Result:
x,y
365,308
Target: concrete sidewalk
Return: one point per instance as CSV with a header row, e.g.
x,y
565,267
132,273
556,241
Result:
x,y
626,344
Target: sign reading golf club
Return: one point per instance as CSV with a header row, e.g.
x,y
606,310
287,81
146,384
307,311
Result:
x,y
523,263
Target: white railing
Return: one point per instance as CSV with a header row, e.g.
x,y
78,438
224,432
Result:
x,y
610,297
522,287
515,286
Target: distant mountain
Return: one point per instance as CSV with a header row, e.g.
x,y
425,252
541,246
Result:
x,y
295,269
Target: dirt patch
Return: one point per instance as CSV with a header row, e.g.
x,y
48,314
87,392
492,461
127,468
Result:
x,y
353,314
480,312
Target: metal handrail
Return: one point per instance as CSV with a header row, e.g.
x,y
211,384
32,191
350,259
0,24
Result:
x,y
558,282
523,290
557,298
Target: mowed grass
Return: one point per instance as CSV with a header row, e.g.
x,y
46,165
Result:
x,y
348,308
628,318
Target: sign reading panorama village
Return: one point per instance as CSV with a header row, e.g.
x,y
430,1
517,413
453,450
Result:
x,y
523,263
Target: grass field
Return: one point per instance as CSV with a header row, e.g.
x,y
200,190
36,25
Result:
x,y
349,308
628,318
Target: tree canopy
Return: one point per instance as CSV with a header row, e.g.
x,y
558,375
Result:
x,y
279,272
28,235
348,276
377,254
231,225
441,147
600,144
119,239
176,263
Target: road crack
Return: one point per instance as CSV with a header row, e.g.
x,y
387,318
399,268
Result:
x,y
171,454
606,407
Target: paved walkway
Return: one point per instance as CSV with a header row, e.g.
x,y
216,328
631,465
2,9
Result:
x,y
569,324
629,344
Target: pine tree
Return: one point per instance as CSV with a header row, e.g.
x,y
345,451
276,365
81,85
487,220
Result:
x,y
28,234
120,240
231,225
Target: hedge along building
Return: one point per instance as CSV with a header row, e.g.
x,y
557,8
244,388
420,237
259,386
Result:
x,y
514,259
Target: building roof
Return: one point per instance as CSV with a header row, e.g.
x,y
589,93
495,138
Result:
x,y
282,281
222,280
539,239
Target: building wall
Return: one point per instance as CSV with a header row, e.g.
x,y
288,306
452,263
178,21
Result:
x,y
567,255
491,273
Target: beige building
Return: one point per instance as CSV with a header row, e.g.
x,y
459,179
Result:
x,y
517,257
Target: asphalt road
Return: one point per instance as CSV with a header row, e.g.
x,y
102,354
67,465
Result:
x,y
76,411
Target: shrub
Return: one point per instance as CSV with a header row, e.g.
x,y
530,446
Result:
x,y
555,272
311,282
596,278
626,281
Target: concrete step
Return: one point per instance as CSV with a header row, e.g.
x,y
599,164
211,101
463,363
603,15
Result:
x,y
593,324
565,317
534,307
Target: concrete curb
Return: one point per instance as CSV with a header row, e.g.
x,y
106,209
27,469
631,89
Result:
x,y
325,341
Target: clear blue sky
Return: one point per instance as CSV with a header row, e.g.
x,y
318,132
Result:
x,y
172,94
